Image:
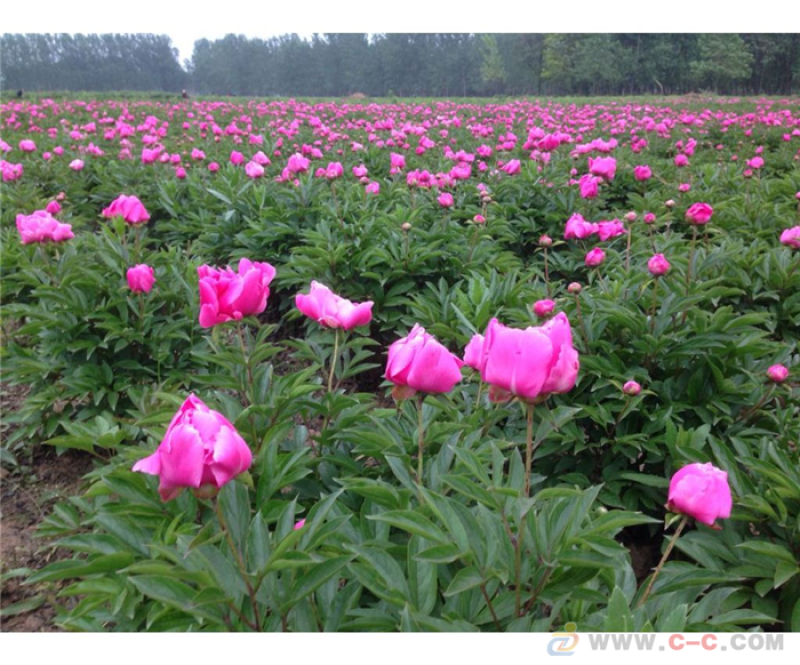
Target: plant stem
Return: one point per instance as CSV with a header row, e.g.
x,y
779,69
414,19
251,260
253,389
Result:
x,y
334,358
518,568
420,437
473,243
689,270
583,324
539,588
622,413
529,450
336,204
247,400
245,356
653,308
137,242
546,274
628,250
491,608
521,534
239,562
746,414
664,558
141,311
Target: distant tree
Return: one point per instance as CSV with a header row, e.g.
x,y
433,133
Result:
x,y
493,73
721,60
408,64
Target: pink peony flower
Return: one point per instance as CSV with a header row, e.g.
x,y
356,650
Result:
x,y
42,227
778,373
254,170
418,362
791,237
200,448
130,208
631,388
699,213
532,363
658,265
445,200
473,353
578,227
298,164
612,229
603,167
228,296
543,308
595,257
589,186
700,491
325,307
141,278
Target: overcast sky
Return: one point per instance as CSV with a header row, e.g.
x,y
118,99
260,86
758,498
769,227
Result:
x,y
186,22
184,38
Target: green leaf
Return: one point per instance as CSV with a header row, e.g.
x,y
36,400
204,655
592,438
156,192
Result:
x,y
618,615
412,522
23,606
174,593
675,621
796,617
312,580
772,550
465,579
440,554
62,570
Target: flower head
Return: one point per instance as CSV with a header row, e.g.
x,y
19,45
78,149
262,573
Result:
x,y
325,307
201,447
41,227
532,363
141,278
130,208
228,296
418,362
700,491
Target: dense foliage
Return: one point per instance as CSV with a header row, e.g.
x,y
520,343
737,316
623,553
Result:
x,y
434,64
333,528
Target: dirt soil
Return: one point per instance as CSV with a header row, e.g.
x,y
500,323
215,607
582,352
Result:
x,y
26,495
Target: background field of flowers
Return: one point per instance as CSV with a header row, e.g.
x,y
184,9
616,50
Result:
x,y
446,215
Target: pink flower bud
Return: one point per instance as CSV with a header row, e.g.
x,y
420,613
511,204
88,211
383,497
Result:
x,y
141,278
700,491
543,308
595,257
778,373
631,388
658,265
699,213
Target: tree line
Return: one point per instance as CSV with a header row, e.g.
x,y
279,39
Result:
x,y
429,65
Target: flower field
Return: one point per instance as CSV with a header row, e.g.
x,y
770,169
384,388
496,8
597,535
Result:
x,y
408,366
